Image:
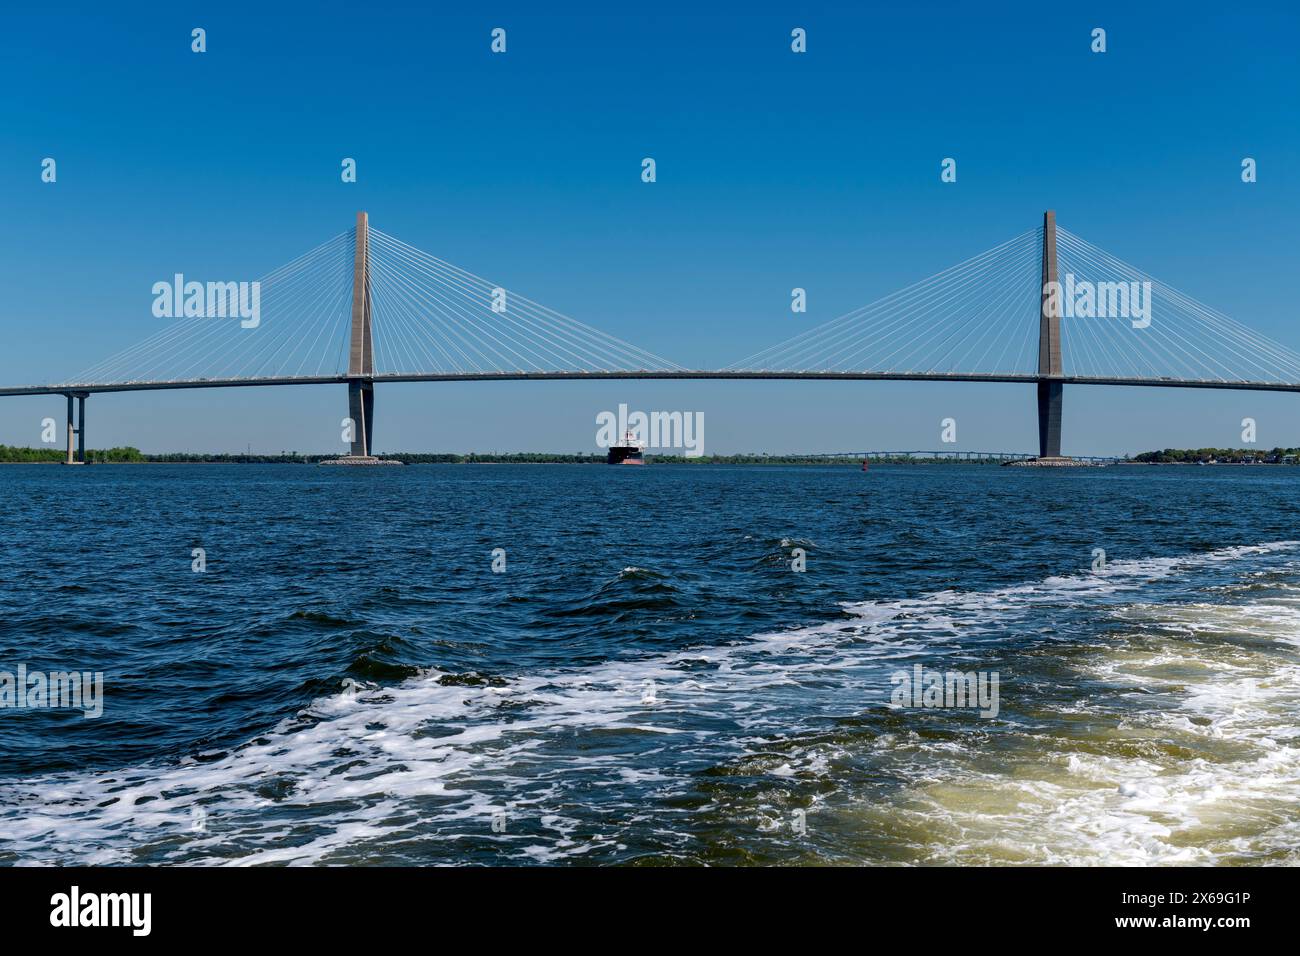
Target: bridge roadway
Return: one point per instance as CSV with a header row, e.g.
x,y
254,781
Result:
x,y
67,388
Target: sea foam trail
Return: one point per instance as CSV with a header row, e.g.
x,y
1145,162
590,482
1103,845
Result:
x,y
384,765
1205,774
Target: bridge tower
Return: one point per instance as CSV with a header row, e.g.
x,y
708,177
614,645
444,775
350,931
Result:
x,y
361,360
1049,350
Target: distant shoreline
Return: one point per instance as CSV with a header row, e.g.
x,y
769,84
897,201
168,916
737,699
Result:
x,y
416,459
131,456
11,454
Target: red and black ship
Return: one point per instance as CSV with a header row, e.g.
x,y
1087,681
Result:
x,y
628,453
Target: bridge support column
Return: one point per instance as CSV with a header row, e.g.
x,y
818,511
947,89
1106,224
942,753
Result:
x,y
81,428
72,431
1049,419
361,409
361,360
1050,393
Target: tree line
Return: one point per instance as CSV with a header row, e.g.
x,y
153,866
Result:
x,y
1275,456
13,453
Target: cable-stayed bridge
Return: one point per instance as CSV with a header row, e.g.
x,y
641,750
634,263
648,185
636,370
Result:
x,y
1045,308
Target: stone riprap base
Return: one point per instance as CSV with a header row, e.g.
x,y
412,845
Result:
x,y
359,460
1052,463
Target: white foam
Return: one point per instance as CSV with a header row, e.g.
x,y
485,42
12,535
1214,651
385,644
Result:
x,y
1217,786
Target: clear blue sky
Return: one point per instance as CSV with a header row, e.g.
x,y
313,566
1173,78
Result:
x,y
774,171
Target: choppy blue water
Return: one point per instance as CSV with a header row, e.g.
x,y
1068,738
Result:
x,y
649,681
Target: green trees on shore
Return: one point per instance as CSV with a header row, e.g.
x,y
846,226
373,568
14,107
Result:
x,y
1286,456
15,454
12,453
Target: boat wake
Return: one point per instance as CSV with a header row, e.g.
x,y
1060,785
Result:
x,y
1141,723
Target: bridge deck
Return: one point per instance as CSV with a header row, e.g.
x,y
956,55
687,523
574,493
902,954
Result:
x,y
675,374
